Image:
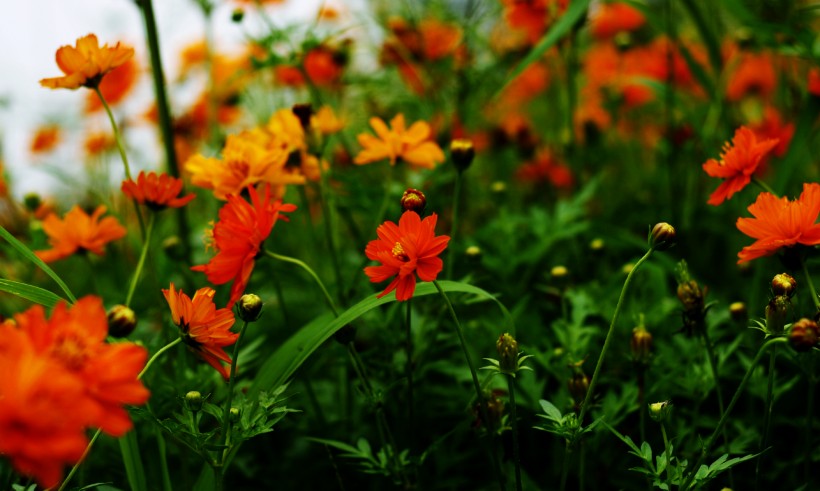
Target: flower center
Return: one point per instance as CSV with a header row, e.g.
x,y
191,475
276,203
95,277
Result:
x,y
398,253
71,350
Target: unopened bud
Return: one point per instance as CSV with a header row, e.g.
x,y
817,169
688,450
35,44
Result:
x,y
32,201
121,321
234,414
659,411
737,311
473,251
597,245
498,187
662,236
507,348
193,400
413,200
578,386
237,15
804,335
462,152
303,112
784,284
691,296
173,248
641,345
777,314
249,307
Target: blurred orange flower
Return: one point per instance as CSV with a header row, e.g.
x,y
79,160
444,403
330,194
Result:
x,y
546,168
773,126
42,411
532,16
79,232
74,337
405,250
326,122
753,74
98,142
157,192
412,145
611,18
814,81
779,223
204,328
87,63
114,87
238,237
738,161
45,139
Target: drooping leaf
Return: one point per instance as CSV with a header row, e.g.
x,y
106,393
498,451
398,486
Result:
x,y
30,292
28,254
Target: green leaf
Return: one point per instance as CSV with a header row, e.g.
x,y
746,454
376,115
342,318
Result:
x,y
133,463
28,254
558,30
552,412
284,362
30,292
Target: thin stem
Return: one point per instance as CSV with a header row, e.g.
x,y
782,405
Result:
x,y
226,412
454,227
710,353
668,451
312,274
810,417
138,272
157,355
608,340
763,186
163,463
711,440
408,369
482,401
814,296
79,462
514,416
767,419
565,466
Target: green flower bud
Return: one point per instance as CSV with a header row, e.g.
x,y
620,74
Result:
x,y
804,335
662,236
193,400
659,411
507,348
778,314
249,307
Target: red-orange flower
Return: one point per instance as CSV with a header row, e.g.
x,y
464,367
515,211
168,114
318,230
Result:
x,y
738,161
238,237
405,250
115,86
157,192
79,232
45,139
615,17
779,223
205,329
399,142
74,337
42,411
87,63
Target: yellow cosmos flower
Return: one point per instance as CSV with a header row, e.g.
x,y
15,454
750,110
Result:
x,y
326,122
412,145
85,64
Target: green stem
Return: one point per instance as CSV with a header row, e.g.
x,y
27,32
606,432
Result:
x,y
312,274
327,210
762,185
711,440
565,466
814,296
668,451
157,355
514,416
710,353
767,418
408,368
810,418
482,401
226,412
141,264
79,462
454,227
608,340
163,463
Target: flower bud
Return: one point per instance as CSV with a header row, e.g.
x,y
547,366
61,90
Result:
x,y
462,152
473,251
32,201
777,314
173,248
784,284
659,411
234,414
737,311
662,236
578,386
507,348
237,15
193,400
597,245
413,200
691,296
641,345
249,307
804,335
498,187
303,112
121,321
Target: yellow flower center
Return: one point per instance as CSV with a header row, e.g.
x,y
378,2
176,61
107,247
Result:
x,y
398,252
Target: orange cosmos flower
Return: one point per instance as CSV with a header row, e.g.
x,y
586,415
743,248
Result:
x,y
205,329
45,139
79,232
99,142
238,237
397,142
754,73
779,223
615,17
773,126
74,337
157,192
404,250
114,87
87,63
738,161
42,411
532,16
